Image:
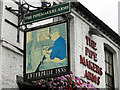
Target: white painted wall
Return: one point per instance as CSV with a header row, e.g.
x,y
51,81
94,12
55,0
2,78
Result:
x,y
9,33
12,64
118,66
81,29
1,7
0,65
11,59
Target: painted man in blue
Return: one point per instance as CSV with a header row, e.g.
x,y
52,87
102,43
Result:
x,y
59,47
56,55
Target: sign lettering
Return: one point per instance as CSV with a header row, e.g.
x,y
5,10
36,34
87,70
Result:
x,y
90,64
47,13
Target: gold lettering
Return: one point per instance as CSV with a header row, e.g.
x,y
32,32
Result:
x,y
29,17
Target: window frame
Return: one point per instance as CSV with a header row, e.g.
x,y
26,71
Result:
x,y
107,73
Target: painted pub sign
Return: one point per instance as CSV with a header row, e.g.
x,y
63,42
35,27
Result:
x,y
47,13
46,51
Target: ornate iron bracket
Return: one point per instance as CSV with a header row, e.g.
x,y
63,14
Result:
x,y
24,7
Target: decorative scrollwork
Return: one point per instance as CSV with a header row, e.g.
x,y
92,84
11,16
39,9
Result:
x,y
24,7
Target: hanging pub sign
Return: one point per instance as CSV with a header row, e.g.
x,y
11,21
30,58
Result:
x,y
46,51
47,13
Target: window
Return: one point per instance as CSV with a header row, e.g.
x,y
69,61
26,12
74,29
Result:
x,y
109,76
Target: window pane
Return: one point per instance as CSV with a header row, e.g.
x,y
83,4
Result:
x,y
107,68
106,56
111,70
110,58
107,87
110,82
106,79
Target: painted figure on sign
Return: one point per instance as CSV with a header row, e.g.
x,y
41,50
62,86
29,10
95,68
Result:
x,y
54,56
46,48
59,47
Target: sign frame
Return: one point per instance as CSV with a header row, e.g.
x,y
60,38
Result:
x,y
68,53
45,10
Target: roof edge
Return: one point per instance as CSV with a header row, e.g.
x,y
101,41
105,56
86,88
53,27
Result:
x,y
104,28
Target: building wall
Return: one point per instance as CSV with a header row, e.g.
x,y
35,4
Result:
x,y
11,67
0,16
1,4
72,45
11,56
0,65
118,66
81,30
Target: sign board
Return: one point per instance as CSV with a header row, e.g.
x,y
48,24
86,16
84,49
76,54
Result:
x,y
47,13
46,52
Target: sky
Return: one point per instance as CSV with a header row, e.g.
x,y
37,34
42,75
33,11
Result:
x,y
105,10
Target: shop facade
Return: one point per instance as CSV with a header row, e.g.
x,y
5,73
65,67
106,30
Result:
x,y
92,47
